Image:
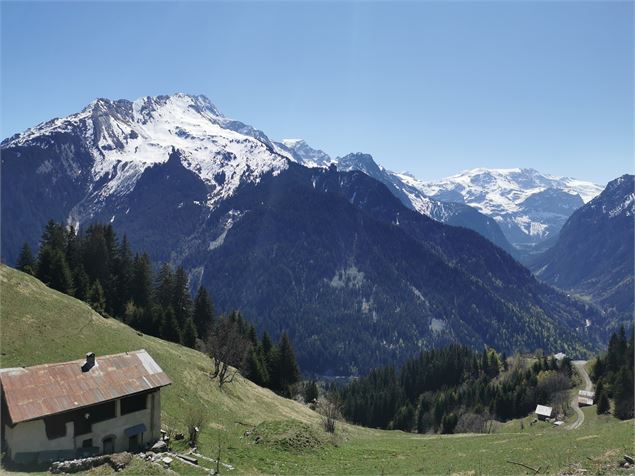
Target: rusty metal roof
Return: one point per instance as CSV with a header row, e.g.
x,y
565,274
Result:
x,y
34,392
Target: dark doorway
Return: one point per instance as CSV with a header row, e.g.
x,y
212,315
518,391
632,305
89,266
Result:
x,y
109,445
133,444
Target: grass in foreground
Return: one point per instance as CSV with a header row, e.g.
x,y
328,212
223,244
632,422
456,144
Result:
x,y
263,433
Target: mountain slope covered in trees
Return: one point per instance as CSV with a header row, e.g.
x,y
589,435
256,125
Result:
x,y
333,258
593,255
358,279
156,301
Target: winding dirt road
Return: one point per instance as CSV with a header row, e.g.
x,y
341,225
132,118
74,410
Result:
x,y
578,365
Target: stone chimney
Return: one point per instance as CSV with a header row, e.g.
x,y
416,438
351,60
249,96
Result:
x,y
90,362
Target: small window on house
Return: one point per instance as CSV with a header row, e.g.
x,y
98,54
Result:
x,y
133,403
55,426
87,443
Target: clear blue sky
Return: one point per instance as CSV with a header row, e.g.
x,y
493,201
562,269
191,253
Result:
x,y
430,87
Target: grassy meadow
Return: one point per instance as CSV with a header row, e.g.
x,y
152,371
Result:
x,y
260,432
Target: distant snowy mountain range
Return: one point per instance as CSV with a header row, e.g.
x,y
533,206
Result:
x,y
121,139
528,206
341,253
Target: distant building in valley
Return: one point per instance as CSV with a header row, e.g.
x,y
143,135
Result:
x,y
81,408
586,397
543,412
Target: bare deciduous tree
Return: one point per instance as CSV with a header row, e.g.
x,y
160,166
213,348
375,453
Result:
x,y
329,408
195,418
227,348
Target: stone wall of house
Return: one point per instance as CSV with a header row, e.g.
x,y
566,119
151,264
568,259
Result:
x,y
27,441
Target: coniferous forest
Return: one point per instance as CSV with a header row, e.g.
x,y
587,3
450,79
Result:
x,y
447,390
613,376
455,389
100,269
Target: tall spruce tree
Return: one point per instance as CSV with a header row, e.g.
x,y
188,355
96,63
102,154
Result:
x,y
53,270
97,255
181,299
256,367
123,275
603,405
26,261
188,334
170,329
164,286
142,281
286,369
623,393
81,283
73,249
203,312
96,297
310,392
53,236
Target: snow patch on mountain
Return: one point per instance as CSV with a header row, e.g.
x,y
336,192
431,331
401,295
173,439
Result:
x,y
503,190
529,206
124,138
304,154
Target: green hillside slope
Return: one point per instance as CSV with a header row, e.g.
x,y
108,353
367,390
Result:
x,y
40,325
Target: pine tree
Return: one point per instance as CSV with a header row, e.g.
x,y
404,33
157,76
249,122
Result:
x,y
623,394
267,344
603,405
169,329
188,336
132,315
203,312
181,299
616,354
96,255
404,418
123,275
286,367
164,286
150,319
96,297
26,261
310,392
53,270
142,281
44,268
73,250
423,410
599,387
81,283
54,236
599,369
256,367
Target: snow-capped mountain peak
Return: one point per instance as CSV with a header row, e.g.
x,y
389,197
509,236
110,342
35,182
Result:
x,y
125,137
304,154
529,205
